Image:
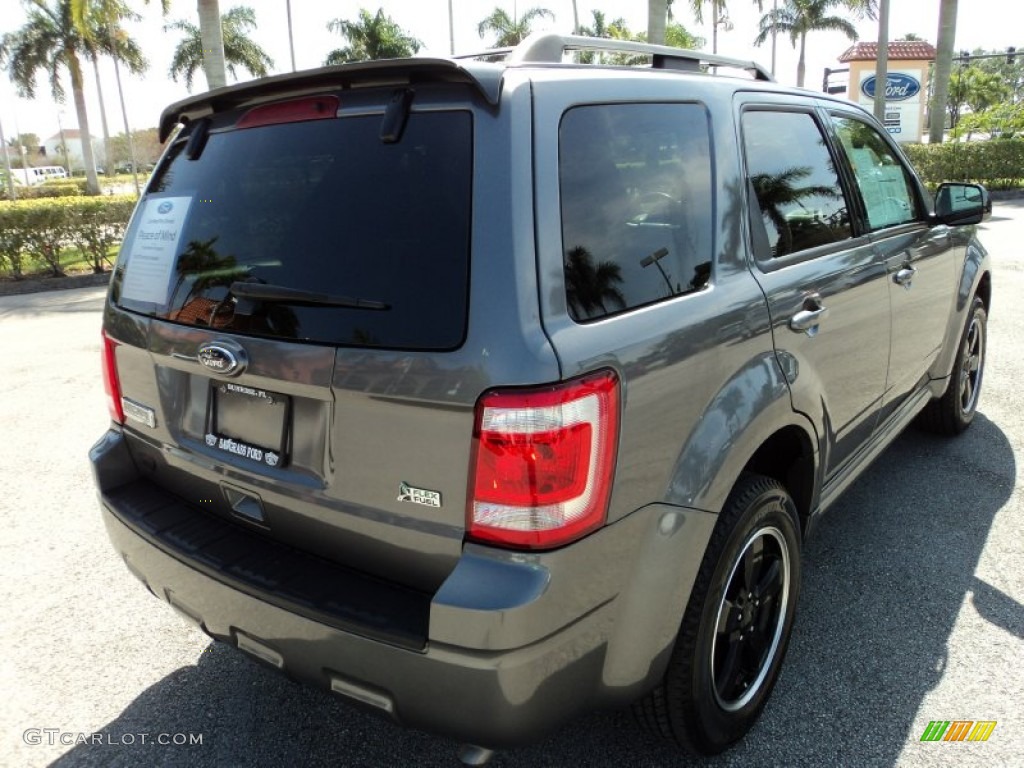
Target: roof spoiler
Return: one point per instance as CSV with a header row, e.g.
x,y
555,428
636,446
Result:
x,y
396,72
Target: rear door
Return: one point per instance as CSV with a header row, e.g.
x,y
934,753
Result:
x,y
824,280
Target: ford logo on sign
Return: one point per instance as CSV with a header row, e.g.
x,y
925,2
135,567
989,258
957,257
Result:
x,y
898,87
220,359
164,207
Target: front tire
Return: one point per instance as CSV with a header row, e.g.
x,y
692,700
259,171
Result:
x,y
737,624
952,413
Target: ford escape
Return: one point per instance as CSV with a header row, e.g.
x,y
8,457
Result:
x,y
487,393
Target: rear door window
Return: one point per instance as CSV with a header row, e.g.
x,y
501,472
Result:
x,y
315,231
793,176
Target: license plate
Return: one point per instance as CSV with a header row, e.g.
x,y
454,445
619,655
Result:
x,y
248,422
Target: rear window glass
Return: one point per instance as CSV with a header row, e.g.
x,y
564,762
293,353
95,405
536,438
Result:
x,y
314,231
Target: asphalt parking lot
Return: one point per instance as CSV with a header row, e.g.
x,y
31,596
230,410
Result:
x,y
912,607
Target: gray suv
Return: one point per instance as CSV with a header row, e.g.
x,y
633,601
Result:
x,y
488,393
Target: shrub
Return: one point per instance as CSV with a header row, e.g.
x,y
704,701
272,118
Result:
x,y
997,163
45,190
78,184
42,229
98,223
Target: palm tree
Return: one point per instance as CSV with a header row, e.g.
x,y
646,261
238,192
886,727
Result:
x,y
371,37
616,30
719,16
105,35
798,17
775,191
104,17
943,70
589,286
209,31
657,14
239,49
51,42
511,31
213,45
85,14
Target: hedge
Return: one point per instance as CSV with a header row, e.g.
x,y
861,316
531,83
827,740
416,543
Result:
x,y
66,183
42,230
44,190
996,163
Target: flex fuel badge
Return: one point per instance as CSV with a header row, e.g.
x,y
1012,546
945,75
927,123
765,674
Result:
x,y
422,496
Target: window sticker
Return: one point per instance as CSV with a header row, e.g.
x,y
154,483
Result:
x,y
153,251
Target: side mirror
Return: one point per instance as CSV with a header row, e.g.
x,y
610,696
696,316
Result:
x,y
959,204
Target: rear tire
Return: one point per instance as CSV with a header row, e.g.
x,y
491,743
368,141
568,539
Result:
x,y
736,626
952,413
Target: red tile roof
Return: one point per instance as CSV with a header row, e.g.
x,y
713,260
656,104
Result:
x,y
899,51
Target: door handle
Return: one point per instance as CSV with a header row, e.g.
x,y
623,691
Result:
x,y
905,276
807,319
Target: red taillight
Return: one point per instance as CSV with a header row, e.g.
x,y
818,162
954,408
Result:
x,y
543,461
111,384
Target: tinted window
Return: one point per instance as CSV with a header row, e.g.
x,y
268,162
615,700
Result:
x,y
636,194
884,183
322,207
792,174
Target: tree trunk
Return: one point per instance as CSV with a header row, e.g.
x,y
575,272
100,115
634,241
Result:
x,y
714,26
943,70
92,184
107,160
127,130
801,66
775,35
451,29
291,37
213,43
882,63
7,164
657,10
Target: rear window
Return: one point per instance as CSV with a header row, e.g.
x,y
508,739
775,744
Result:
x,y
315,231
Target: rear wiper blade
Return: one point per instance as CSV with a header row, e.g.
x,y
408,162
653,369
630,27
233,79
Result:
x,y
280,293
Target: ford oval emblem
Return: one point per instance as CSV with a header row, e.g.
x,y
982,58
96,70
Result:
x,y
165,207
898,87
220,359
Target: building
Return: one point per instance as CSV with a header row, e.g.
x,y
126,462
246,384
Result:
x,y
72,139
906,87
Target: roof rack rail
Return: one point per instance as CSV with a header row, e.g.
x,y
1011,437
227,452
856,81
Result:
x,y
550,47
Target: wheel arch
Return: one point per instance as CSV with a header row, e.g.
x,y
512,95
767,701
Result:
x,y
984,290
766,435
788,456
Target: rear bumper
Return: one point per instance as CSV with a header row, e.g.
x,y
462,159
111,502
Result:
x,y
517,643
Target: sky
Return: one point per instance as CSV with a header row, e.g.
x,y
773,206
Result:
x,y
147,95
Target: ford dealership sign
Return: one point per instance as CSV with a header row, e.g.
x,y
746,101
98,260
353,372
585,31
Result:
x,y
898,87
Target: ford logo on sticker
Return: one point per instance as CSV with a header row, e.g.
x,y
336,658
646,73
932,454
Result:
x,y
898,87
165,207
219,359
